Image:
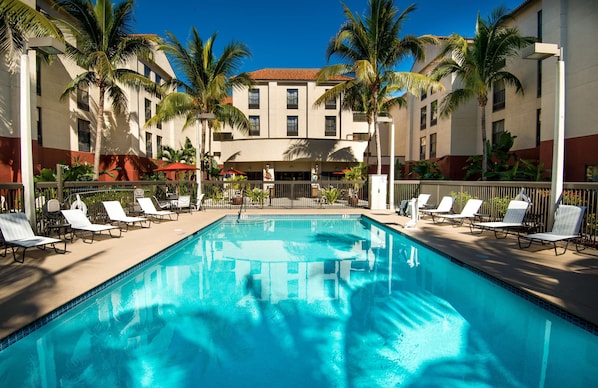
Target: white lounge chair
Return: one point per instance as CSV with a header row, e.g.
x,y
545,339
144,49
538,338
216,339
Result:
x,y
513,219
117,215
422,202
469,212
17,233
445,206
182,204
567,223
79,222
150,210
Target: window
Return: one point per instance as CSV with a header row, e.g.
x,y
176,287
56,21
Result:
x,y
293,267
254,98
38,75
254,125
498,127
40,138
329,266
158,79
292,126
498,96
84,135
159,123
424,95
422,118
148,109
539,79
292,98
146,71
422,148
293,288
83,98
148,145
433,145
330,103
330,126
433,112
539,29
538,126
158,145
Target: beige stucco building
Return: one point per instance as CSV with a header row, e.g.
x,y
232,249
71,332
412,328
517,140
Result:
x,y
63,130
529,117
295,138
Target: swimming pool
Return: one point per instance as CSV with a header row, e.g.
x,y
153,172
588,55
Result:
x,y
303,301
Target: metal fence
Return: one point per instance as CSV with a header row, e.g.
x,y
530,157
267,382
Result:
x,y
497,194
307,194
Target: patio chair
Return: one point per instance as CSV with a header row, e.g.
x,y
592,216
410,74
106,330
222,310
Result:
x,y
199,202
468,213
445,206
567,224
79,222
17,233
150,210
183,204
513,219
117,215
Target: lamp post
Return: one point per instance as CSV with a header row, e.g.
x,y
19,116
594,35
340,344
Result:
x,y
539,52
391,172
200,116
49,46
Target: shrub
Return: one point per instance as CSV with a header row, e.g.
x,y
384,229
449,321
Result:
x,y
331,194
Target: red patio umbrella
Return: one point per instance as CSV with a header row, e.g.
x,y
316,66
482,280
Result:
x,y
231,171
176,166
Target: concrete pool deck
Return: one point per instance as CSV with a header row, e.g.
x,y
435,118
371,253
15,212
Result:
x,y
46,280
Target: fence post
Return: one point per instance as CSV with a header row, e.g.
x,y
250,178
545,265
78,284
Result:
x,y
59,185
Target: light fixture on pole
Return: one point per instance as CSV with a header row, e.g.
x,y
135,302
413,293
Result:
x,y
198,156
391,172
539,52
49,46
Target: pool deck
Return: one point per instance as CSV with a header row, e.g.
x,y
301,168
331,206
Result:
x,y
47,280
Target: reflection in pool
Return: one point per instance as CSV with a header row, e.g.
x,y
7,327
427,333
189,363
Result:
x,y
303,301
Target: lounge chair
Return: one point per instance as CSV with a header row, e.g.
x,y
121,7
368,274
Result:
x,y
79,222
117,215
17,233
567,223
444,207
150,210
422,202
182,204
513,219
468,213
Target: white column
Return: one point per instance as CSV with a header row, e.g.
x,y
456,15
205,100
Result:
x,y
26,151
558,152
391,188
198,156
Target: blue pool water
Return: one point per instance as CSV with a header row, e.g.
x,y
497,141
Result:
x,y
325,301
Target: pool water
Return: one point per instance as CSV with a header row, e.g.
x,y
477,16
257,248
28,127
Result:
x,y
325,301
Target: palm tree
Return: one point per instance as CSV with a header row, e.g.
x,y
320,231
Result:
x,y
478,64
371,49
105,44
17,22
185,154
207,80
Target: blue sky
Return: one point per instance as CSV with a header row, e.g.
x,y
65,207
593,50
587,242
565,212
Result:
x,y
295,34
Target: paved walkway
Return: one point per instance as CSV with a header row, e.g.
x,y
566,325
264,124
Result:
x,y
47,280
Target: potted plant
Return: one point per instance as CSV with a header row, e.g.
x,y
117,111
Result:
x,y
331,194
257,195
238,188
355,174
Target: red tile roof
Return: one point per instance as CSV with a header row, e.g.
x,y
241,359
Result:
x,y
289,75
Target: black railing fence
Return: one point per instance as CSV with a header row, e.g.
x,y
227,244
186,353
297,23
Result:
x,y
306,194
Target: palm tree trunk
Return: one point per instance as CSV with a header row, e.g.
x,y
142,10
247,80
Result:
x,y
99,130
484,141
